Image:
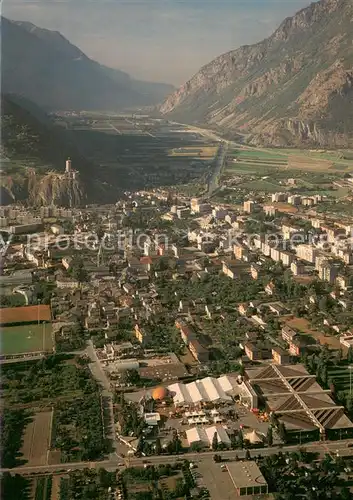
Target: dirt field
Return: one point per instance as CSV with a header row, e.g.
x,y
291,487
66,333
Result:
x,y
55,491
303,326
307,163
54,457
36,440
204,152
25,314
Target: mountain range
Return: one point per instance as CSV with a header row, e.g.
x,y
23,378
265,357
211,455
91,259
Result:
x,y
294,88
43,66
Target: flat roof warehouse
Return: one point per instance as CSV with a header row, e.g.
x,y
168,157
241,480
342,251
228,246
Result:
x,y
25,314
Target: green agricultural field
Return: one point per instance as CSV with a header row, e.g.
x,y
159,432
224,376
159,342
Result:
x,y
297,159
246,168
260,154
261,185
26,338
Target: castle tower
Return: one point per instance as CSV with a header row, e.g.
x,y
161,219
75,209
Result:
x,y
68,166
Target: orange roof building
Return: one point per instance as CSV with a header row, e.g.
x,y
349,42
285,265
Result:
x,y
159,393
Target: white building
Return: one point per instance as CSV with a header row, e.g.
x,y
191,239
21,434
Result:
x,y
210,389
204,436
307,253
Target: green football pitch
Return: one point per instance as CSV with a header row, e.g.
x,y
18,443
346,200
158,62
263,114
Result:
x,y
26,338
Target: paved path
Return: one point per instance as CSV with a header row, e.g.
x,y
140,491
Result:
x,y
220,160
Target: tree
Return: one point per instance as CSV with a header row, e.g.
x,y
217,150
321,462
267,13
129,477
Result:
x,y
196,447
158,448
240,439
270,436
130,377
350,355
349,403
282,432
241,370
233,442
215,442
176,443
140,445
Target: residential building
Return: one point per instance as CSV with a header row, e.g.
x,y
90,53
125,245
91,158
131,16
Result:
x,y
286,258
256,271
141,334
280,356
275,254
270,288
269,210
294,200
343,282
249,206
346,340
279,197
328,272
183,212
307,253
255,352
288,333
297,268
200,353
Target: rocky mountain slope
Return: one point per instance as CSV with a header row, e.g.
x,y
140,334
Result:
x,y
46,68
293,88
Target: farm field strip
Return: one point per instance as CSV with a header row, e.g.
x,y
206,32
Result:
x,y
36,440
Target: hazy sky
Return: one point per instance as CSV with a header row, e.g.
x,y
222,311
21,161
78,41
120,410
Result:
x,y
157,40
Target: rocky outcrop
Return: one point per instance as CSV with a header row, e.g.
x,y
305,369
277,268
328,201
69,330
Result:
x,y
54,189
34,188
294,87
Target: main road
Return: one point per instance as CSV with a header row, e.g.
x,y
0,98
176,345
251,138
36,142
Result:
x,y
219,161
325,447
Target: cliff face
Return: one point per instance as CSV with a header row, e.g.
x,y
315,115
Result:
x,y
51,188
295,87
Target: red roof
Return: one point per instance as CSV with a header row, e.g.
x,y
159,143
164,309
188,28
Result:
x,y
146,260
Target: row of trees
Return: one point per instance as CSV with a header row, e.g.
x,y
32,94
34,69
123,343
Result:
x,y
12,426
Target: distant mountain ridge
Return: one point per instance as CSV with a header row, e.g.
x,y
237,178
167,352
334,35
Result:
x,y
293,88
43,66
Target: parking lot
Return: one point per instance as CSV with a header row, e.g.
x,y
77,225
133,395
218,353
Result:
x,y
216,480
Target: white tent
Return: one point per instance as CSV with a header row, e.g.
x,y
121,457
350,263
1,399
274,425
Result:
x,y
253,437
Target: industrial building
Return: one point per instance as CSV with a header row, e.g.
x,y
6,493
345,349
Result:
x,y
295,397
247,478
